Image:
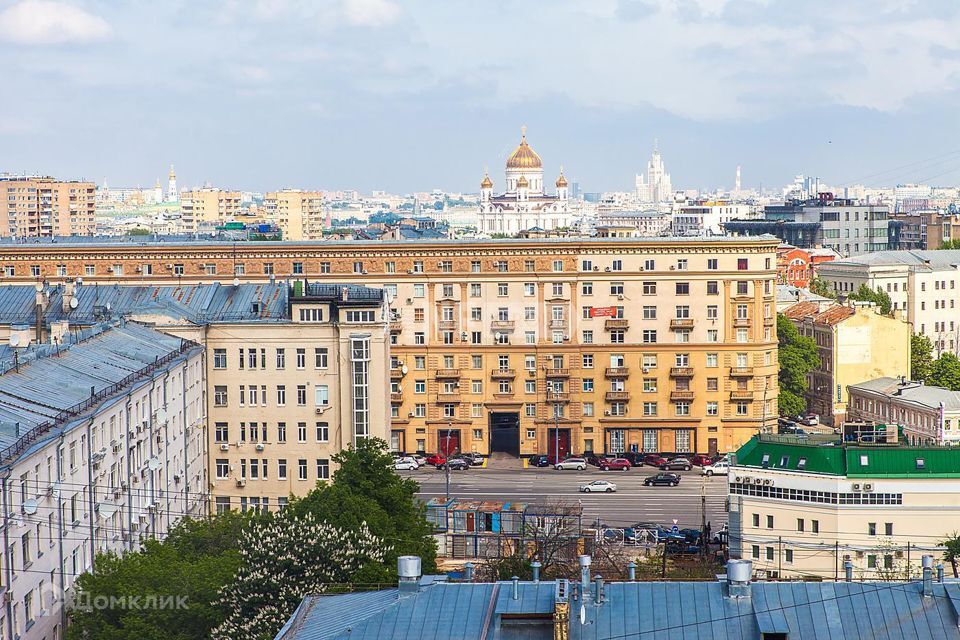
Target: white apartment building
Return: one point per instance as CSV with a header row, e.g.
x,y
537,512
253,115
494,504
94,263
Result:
x,y
707,218
103,447
649,223
922,285
850,229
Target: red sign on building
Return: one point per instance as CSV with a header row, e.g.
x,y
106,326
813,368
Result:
x,y
603,312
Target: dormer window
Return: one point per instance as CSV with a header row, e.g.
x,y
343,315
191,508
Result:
x,y
802,464
765,461
921,464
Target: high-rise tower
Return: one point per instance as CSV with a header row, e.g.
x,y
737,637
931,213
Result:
x,y
172,194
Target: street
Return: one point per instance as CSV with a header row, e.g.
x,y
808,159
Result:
x,y
632,502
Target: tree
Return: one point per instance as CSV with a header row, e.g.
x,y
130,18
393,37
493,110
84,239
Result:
x,y
284,558
945,372
195,561
950,244
878,297
921,356
821,287
951,551
797,356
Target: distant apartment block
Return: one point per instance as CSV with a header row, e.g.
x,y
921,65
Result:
x,y
299,214
208,207
46,207
928,415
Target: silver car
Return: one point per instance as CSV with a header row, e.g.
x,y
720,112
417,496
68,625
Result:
x,y
579,464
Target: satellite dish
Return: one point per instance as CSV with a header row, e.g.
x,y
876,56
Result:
x,y
14,339
56,489
161,415
404,369
30,506
73,303
236,282
154,463
38,287
498,335
109,306
583,614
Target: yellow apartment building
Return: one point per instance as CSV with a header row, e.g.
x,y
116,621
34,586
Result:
x,y
208,207
299,214
45,207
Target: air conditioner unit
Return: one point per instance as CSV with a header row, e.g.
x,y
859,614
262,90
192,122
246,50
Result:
x,y
320,410
169,265
241,482
645,370
596,268
259,447
412,415
606,413
757,480
673,268
868,487
856,486
607,269
641,269
620,296
138,269
737,479
364,272
768,481
116,494
409,300
531,372
143,518
224,447
134,526
746,479
176,477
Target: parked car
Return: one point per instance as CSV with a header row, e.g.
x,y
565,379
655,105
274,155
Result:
x,y
472,457
662,479
811,420
720,468
701,460
421,461
793,431
436,459
654,459
405,464
596,460
635,458
571,463
455,464
598,486
676,463
617,464
540,461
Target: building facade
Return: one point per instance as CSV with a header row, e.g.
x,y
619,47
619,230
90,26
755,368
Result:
x,y
855,343
208,207
654,344
927,414
796,267
122,460
299,214
32,207
799,509
707,217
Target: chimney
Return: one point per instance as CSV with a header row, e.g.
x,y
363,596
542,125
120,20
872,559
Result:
x,y
345,294
67,296
739,573
468,572
927,563
598,596
408,569
516,587
848,571
632,571
940,572
535,565
584,576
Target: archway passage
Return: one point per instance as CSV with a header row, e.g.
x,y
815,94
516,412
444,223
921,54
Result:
x,y
505,433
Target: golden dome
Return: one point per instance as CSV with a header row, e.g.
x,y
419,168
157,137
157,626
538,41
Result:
x,y
523,157
522,182
487,183
561,181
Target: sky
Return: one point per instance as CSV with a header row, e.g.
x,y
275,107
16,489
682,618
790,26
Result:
x,y
412,95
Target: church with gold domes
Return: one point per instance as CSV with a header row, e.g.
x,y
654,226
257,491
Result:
x,y
524,205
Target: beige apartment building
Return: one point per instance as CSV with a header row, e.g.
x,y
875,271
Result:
x,y
299,214
526,345
855,343
293,374
926,414
45,207
208,207
800,509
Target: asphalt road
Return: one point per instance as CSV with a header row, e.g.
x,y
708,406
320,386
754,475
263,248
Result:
x,y
632,502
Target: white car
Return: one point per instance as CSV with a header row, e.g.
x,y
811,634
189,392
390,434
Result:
x,y
420,460
405,464
719,468
579,464
601,486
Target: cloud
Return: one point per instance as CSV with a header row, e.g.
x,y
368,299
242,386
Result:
x,y
636,9
49,22
370,13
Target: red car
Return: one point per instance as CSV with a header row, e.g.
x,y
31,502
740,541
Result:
x,y
617,464
701,460
436,459
654,460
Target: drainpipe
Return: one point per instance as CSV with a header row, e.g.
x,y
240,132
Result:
x,y
126,454
598,596
848,571
584,576
59,490
632,571
8,578
91,498
535,565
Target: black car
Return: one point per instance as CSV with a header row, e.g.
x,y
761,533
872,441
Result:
x,y
596,459
677,463
669,479
635,457
540,461
456,464
472,458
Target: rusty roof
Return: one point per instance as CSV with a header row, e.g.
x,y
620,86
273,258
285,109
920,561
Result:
x,y
834,314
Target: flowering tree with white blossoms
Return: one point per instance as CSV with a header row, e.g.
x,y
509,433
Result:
x,y
284,558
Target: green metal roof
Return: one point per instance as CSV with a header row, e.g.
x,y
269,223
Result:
x,y
852,461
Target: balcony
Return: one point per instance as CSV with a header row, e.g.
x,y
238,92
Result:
x,y
396,373
681,395
503,374
557,373
558,396
501,325
617,372
741,372
447,325
769,322
396,326
618,396
741,394
681,323
558,324
396,398
448,373
448,397
741,322
681,372
616,323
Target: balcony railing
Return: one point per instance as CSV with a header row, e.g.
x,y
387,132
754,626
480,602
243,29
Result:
x,y
617,372
741,372
447,325
502,325
396,372
448,397
681,372
681,395
616,323
558,324
502,374
557,373
617,396
396,326
741,394
741,322
448,373
681,323
558,396
396,397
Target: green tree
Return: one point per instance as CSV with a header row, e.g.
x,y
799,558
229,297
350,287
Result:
x,y
921,356
195,561
797,356
951,551
950,244
878,297
945,372
821,287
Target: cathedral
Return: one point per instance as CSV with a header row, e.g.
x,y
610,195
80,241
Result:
x,y
524,205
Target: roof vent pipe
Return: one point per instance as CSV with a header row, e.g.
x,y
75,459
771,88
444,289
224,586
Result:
x,y
940,572
632,571
516,587
848,571
468,572
598,596
739,573
408,569
927,562
535,565
584,576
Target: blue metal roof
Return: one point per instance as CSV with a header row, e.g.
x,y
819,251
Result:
x,y
638,611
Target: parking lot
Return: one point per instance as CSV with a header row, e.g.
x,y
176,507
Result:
x,y
632,502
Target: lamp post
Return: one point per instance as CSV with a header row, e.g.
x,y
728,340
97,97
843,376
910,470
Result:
x,y
446,463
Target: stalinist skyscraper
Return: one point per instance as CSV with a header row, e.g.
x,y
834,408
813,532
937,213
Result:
x,y
656,187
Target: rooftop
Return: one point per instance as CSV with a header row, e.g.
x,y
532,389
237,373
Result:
x,y
915,392
923,259
816,313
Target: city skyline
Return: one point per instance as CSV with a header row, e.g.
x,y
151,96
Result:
x,y
365,93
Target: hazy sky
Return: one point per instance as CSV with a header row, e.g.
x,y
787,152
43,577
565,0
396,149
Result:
x,y
418,94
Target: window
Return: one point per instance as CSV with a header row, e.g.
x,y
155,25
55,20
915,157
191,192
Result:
x,y
281,358
297,268
301,469
320,355
558,265
871,528
713,288
219,358
742,264
713,408
649,336
323,432
616,289
324,267
617,265
301,395
683,288
586,288
800,525
282,469
220,396
323,469
529,289
755,552
474,266
756,520
888,528
649,288
223,468
503,289
281,432
281,395
814,526
301,358
712,264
